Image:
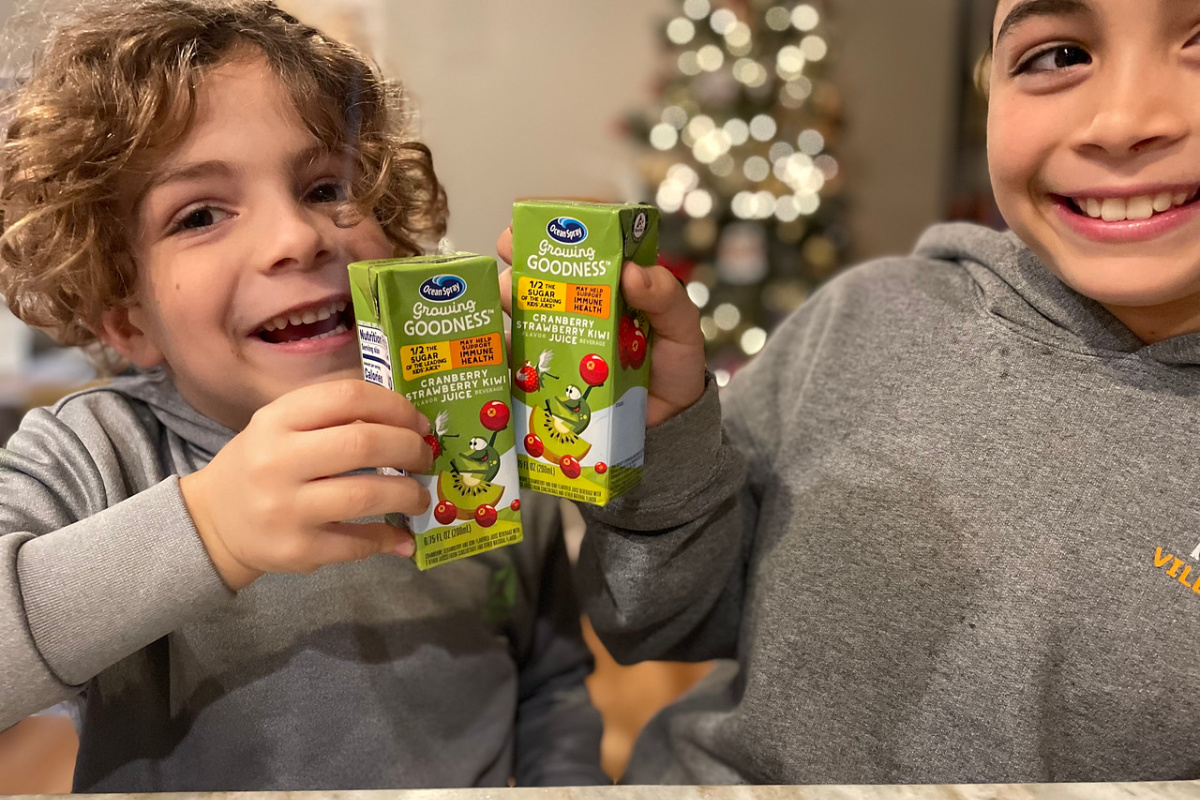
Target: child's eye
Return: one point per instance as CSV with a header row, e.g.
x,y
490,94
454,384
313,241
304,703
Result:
x,y
198,218
327,192
1059,57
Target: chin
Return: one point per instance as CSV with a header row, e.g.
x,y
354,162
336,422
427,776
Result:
x,y
1131,283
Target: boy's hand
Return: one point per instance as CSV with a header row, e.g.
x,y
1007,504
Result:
x,y
275,499
677,357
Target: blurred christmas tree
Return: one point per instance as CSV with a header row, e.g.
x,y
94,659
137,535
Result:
x,y
740,165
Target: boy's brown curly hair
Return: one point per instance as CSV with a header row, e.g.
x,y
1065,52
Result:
x,y
116,85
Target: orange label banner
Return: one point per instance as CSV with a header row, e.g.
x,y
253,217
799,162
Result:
x,y
535,294
426,359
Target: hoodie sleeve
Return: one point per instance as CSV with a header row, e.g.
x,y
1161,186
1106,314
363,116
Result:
x,y
98,554
664,569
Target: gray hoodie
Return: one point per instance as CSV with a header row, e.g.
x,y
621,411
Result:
x,y
364,675
946,525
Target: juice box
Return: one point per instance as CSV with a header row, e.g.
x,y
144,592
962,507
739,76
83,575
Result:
x,y
431,328
579,351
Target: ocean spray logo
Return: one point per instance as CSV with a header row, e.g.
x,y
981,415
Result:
x,y
566,230
441,288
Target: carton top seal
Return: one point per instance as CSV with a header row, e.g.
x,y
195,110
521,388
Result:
x,y
399,264
578,204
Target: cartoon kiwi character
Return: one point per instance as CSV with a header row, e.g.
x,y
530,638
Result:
x,y
571,406
468,485
482,460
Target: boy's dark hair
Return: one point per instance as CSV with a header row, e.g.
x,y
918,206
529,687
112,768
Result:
x,y
116,86
984,66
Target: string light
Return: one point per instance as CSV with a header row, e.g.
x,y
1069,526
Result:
x,y
814,48
699,294
663,136
753,340
722,21
810,142
778,18
763,127
710,58
696,9
681,30
804,17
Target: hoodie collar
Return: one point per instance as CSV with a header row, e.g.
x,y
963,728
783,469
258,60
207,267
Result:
x,y
157,391
1016,286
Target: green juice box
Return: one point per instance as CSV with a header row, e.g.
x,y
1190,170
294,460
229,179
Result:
x,y
579,351
431,329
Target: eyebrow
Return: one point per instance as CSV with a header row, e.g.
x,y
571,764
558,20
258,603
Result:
x,y
1028,9
204,169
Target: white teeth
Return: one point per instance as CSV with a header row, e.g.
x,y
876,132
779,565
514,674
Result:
x,y
1112,209
1118,209
308,317
1139,208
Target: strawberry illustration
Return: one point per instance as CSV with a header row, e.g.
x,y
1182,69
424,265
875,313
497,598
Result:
x,y
528,377
436,440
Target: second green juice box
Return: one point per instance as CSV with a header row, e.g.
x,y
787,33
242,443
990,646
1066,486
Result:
x,y
579,352
431,328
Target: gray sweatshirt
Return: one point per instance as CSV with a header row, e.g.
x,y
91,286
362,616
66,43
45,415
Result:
x,y
946,524
364,675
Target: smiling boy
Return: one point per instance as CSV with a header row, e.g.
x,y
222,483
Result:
x,y
185,184
942,521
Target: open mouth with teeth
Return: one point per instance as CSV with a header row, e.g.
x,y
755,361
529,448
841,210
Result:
x,y
1123,209
309,324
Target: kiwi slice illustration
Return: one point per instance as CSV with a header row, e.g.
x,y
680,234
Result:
x,y
557,436
467,492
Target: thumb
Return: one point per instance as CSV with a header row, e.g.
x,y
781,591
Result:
x,y
672,314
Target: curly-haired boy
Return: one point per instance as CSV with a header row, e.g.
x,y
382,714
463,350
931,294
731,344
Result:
x,y
182,184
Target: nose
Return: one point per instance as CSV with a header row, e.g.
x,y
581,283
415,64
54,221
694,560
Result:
x,y
295,237
1137,110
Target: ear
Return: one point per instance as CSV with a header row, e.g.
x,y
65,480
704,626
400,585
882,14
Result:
x,y
124,330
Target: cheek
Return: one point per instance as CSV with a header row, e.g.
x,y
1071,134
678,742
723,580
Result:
x,y
1020,143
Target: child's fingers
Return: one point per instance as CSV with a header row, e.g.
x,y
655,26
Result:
x,y
333,403
352,541
506,291
362,445
504,246
356,496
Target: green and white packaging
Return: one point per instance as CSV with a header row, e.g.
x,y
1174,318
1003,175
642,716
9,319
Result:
x,y
580,366
431,328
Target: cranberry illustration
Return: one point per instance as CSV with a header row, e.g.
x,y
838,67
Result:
x,y
445,512
434,445
593,369
534,446
515,505
625,329
486,515
527,378
601,468
637,349
570,467
494,416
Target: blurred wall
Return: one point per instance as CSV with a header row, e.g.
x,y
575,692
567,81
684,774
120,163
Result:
x,y
898,67
525,98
